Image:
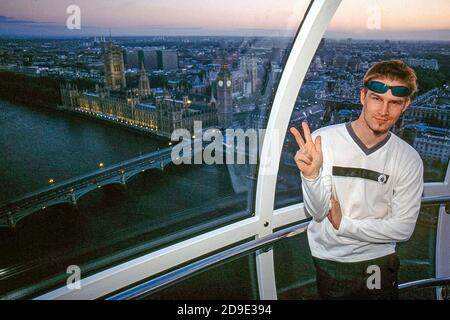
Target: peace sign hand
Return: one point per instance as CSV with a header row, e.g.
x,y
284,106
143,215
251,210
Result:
x,y
309,158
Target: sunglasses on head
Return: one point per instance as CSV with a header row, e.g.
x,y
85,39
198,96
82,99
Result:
x,y
380,87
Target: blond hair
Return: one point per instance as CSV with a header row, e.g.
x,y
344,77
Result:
x,y
394,70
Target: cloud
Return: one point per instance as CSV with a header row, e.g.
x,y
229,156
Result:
x,y
5,19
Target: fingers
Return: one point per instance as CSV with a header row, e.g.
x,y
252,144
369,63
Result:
x,y
303,158
298,137
318,144
334,200
306,131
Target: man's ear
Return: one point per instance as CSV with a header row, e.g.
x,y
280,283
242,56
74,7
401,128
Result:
x,y
407,104
362,95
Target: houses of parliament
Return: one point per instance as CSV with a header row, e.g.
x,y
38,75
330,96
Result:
x,y
144,109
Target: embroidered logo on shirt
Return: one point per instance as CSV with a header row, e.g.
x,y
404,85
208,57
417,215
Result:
x,y
382,178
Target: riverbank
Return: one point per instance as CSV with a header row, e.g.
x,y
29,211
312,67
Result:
x,y
41,92
111,121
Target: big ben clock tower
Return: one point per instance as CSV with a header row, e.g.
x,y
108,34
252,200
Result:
x,y
224,97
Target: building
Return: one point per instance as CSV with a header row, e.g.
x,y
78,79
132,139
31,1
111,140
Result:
x,y
144,83
155,59
114,66
161,115
275,71
141,108
106,103
436,113
132,58
433,146
249,67
167,59
423,63
69,96
176,114
277,55
137,107
224,91
150,59
146,115
257,118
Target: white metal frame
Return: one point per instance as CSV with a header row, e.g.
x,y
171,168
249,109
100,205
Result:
x,y
301,55
442,262
265,219
442,253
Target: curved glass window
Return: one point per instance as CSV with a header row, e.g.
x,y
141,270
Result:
x,y
89,104
418,255
295,272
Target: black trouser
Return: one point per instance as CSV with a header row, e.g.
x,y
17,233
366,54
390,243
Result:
x,y
371,279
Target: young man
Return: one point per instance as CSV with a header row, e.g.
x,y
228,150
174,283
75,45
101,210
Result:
x,y
362,185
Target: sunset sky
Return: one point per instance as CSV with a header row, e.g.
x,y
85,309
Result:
x,y
412,19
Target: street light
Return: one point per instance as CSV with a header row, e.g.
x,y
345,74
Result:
x,y
101,164
51,181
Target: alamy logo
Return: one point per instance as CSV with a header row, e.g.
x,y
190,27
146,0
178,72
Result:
x,y
74,20
73,281
374,280
244,145
374,19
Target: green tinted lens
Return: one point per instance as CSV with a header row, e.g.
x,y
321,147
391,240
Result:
x,y
380,87
400,91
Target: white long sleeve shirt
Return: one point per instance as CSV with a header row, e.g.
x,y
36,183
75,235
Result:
x,y
379,190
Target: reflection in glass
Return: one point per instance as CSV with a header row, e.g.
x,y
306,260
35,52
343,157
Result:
x,y
294,269
235,280
417,255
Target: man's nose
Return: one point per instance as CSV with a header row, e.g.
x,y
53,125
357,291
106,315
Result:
x,y
385,108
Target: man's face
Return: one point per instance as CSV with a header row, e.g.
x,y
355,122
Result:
x,y
382,110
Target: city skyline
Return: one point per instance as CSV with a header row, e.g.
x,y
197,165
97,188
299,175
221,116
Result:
x,y
418,20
